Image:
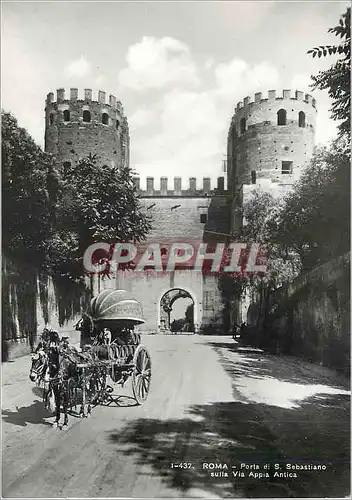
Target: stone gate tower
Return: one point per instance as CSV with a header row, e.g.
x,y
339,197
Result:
x,y
76,127
269,142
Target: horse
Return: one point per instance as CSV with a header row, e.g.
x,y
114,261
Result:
x,y
59,371
65,379
39,366
45,369
58,361
39,373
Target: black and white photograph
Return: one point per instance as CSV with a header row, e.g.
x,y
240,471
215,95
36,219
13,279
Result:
x,y
175,249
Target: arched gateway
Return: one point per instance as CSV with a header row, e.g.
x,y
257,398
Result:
x,y
167,307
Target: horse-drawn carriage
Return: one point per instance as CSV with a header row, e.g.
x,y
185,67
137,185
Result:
x,y
111,354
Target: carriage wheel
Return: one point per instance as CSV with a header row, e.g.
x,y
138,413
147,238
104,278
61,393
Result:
x,y
141,374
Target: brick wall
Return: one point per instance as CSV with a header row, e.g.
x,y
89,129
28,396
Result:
x,y
75,142
255,153
310,317
74,139
264,147
178,219
264,144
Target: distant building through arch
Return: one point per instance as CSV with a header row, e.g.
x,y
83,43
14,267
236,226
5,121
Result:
x,y
166,304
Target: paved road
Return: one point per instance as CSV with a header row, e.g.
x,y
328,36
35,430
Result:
x,y
208,404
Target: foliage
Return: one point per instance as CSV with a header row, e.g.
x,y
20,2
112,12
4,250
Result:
x,y
308,227
337,79
50,218
315,220
261,213
190,314
177,325
97,204
28,194
311,225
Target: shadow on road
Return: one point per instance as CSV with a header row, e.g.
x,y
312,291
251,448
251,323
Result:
x,y
317,432
119,401
282,368
33,414
36,413
315,429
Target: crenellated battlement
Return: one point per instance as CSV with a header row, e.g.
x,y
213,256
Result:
x,y
77,125
85,98
285,95
177,190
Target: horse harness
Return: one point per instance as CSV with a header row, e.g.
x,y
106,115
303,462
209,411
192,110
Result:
x,y
40,364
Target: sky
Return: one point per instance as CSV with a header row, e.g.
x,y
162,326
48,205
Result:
x,y
179,68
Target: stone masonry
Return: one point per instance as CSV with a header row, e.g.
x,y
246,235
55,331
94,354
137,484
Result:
x,y
188,215
77,127
270,141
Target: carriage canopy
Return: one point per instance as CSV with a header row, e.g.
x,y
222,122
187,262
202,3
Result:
x,y
116,305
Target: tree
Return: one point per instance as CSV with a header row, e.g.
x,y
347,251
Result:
x,y
261,213
315,220
50,217
311,224
190,315
29,186
96,204
337,79
307,228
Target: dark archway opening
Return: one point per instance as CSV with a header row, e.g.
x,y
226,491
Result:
x,y
177,311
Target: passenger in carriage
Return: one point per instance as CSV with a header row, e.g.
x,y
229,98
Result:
x,y
119,333
106,332
115,340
